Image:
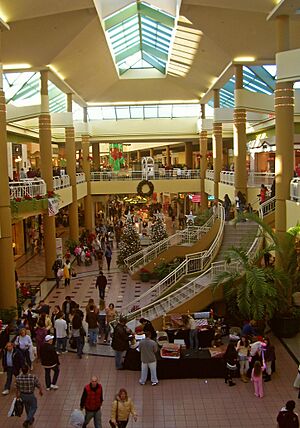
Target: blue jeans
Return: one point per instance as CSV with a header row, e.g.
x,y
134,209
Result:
x,y
194,343
93,336
91,415
61,344
118,359
30,404
9,376
48,375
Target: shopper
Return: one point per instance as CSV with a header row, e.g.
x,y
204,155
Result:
x,y
297,381
148,349
270,357
67,272
111,314
256,377
78,331
50,361
12,362
120,341
147,326
227,206
68,307
40,334
92,321
24,343
101,285
287,418
243,350
122,407
91,401
230,358
108,256
61,330
25,384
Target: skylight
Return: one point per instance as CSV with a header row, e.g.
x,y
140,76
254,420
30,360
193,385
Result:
x,y
140,37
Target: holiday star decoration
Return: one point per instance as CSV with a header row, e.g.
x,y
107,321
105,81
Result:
x,y
190,218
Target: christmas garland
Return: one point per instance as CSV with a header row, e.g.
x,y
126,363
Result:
x,y
140,188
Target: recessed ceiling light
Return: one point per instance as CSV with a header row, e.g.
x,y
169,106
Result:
x,y
244,59
15,66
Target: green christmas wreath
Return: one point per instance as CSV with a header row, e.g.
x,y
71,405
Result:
x,y
148,191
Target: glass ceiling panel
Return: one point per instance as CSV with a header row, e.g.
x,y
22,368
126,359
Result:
x,y
256,78
140,28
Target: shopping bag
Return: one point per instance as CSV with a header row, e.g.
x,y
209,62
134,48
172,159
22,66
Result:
x,y
77,418
16,408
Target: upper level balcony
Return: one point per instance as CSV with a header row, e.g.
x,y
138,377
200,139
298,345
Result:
x,y
160,174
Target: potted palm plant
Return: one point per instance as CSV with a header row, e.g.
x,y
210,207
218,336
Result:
x,y
264,292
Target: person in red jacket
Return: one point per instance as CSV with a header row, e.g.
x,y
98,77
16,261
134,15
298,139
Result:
x,y
91,401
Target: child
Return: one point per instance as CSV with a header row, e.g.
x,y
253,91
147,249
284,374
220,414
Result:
x,y
256,378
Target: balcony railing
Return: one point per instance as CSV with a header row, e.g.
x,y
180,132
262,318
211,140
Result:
x,y
255,179
80,177
161,174
29,187
295,189
60,182
209,174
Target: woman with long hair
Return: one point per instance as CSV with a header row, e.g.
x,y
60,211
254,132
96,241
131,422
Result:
x,y
256,377
230,358
122,407
243,349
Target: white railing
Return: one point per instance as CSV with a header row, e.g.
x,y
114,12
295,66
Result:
x,y
59,182
188,236
33,188
295,189
256,179
209,174
195,286
80,177
227,177
161,174
195,262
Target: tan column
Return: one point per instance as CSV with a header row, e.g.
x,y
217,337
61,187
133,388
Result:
x,y
47,174
151,152
7,286
203,168
188,149
138,155
168,156
96,156
71,171
88,202
284,129
217,145
239,139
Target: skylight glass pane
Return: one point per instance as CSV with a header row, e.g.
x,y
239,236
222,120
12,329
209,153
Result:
x,y
271,69
108,112
95,113
165,110
137,112
123,112
150,111
186,110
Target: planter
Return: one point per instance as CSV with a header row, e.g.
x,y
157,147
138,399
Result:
x,y
25,206
285,326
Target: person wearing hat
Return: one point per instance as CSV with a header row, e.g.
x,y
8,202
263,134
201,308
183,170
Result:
x,y
50,361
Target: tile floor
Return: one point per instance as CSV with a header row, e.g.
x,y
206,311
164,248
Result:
x,y
171,404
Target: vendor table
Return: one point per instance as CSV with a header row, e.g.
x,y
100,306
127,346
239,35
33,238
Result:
x,y
205,337
192,364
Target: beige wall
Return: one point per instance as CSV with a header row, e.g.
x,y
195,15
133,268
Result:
x,y
292,213
65,196
81,190
209,187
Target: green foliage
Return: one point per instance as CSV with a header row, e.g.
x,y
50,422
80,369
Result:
x,y
202,218
71,244
158,231
129,244
8,315
163,268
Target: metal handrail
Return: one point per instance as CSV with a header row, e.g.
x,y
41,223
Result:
x,y
161,174
59,182
255,179
204,280
80,177
209,174
189,235
295,189
195,262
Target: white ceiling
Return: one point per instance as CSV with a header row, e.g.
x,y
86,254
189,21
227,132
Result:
x,y
68,35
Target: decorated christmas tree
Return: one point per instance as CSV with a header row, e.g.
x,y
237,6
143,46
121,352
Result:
x,y
158,230
130,242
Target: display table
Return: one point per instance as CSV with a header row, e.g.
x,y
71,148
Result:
x,y
205,337
192,364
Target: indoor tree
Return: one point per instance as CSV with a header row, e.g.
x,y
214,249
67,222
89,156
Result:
x,y
129,243
158,230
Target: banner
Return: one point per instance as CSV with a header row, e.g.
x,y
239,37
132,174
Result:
x,y
53,207
116,158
